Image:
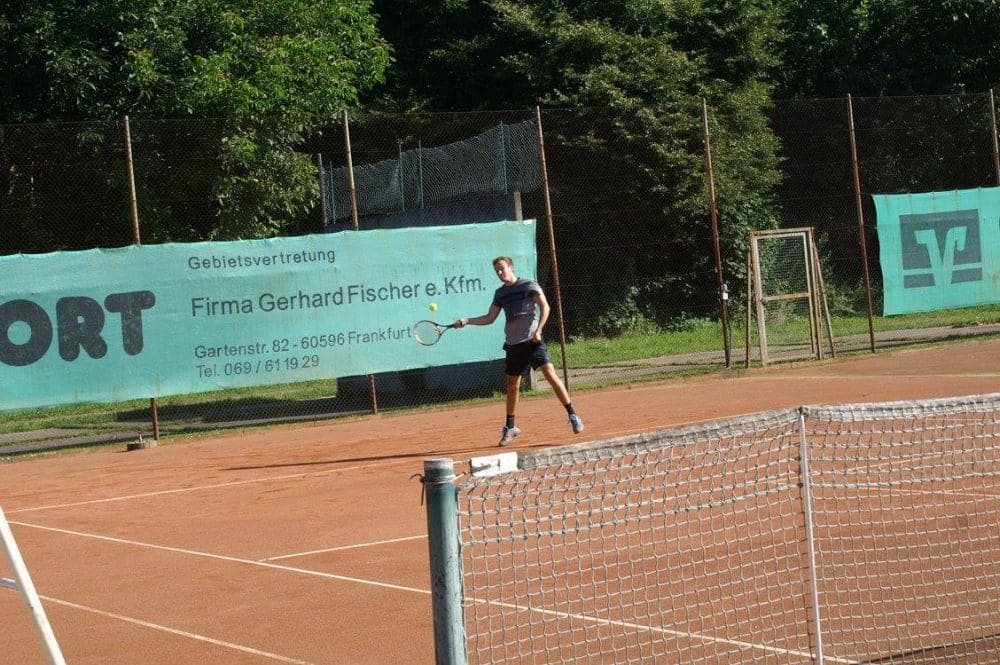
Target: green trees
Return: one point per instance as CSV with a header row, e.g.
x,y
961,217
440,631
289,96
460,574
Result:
x,y
647,64
621,81
269,71
888,47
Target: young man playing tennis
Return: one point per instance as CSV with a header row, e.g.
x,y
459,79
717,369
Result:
x,y
518,299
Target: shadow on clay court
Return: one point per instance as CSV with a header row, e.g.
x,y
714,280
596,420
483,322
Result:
x,y
374,458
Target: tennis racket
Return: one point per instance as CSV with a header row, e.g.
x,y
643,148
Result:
x,y
429,332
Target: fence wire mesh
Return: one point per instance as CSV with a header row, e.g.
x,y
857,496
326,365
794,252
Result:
x,y
630,218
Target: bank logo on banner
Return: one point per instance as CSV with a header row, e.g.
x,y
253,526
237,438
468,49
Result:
x,y
941,248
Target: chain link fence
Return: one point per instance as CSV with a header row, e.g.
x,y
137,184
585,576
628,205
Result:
x,y
625,241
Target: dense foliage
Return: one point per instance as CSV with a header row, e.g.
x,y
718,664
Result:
x,y
648,65
888,47
268,70
622,81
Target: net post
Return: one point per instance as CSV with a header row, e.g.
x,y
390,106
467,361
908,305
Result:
x,y
22,581
810,540
445,561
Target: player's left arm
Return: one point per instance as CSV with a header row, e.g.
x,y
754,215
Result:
x,y
543,315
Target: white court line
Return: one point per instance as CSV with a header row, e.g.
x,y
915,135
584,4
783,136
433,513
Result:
x,y
656,629
175,631
890,487
776,483
426,592
196,488
223,557
902,490
344,547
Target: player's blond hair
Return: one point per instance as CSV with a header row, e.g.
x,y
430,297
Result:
x,y
506,259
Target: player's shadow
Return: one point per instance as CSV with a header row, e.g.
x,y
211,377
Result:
x,y
347,396
372,458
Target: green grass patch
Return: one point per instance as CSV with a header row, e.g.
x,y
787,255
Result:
x,y
128,415
706,335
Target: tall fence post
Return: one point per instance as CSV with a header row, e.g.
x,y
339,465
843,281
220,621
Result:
x,y
445,561
350,173
714,211
996,144
861,222
810,542
137,239
356,224
552,243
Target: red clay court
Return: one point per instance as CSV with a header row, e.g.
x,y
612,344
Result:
x,y
306,544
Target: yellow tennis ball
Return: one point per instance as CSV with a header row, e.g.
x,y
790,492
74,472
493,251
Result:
x,y
433,307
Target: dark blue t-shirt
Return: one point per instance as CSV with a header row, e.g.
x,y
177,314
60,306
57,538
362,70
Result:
x,y
518,304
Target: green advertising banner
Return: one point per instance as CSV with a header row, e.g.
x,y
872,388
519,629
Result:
x,y
939,250
155,320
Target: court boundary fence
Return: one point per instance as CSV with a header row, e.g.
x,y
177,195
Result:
x,y
596,551
79,185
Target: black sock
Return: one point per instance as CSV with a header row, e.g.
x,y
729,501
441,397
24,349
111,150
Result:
x,y
510,422
569,408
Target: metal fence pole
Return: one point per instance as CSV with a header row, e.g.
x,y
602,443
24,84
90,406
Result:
x,y
357,226
552,244
445,561
130,170
350,173
137,239
996,144
861,221
714,211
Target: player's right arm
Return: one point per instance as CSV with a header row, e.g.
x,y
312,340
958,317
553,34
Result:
x,y
484,320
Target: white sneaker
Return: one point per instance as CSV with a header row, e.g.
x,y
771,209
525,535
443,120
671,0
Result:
x,y
507,435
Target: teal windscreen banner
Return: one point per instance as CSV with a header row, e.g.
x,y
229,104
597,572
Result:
x,y
939,250
156,320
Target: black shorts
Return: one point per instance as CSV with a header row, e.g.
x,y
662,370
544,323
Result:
x,y
519,356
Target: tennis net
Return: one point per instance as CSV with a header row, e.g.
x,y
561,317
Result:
x,y
834,534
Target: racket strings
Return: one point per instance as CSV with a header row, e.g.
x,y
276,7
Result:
x,y
427,332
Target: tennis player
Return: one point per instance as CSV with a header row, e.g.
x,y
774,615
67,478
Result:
x,y
518,298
